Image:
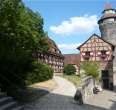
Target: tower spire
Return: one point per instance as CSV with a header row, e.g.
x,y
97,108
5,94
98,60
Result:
x,y
108,5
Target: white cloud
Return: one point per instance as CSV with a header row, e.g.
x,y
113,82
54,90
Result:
x,y
69,46
76,25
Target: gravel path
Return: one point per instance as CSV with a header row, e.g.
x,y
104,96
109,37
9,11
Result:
x,y
62,99
65,87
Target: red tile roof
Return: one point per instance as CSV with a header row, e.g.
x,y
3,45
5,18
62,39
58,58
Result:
x,y
72,59
53,48
108,6
108,16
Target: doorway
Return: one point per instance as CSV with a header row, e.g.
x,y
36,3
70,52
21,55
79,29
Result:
x,y
105,79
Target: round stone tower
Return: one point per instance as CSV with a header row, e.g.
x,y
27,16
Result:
x,y
107,26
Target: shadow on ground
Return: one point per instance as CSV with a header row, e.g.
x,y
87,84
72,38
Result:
x,y
61,102
30,95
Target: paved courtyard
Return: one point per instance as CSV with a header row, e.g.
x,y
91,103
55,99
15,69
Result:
x,y
62,99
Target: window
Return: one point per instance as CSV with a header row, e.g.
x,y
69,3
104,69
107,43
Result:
x,y
87,55
114,19
103,54
104,33
109,20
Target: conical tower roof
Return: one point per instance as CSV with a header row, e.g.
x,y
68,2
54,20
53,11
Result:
x,y
108,12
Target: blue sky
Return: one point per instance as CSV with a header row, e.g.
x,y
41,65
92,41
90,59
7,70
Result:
x,y
69,22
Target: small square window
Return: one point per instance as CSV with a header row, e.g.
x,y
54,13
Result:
x,y
87,53
103,52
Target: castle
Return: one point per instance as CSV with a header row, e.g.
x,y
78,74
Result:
x,y
103,49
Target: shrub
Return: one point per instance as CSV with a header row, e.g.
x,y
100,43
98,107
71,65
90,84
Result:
x,y
69,70
41,73
91,69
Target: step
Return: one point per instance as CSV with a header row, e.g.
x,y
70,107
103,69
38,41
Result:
x,y
18,108
7,103
5,100
8,106
3,94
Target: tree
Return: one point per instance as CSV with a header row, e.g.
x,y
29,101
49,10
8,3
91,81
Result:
x,y
21,35
42,72
69,69
91,69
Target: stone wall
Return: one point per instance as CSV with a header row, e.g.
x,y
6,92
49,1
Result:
x,y
108,33
114,69
87,87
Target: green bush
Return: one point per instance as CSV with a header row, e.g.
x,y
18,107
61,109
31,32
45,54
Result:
x,y
91,69
41,73
69,70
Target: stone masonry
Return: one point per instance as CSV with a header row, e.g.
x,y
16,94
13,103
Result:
x,y
107,26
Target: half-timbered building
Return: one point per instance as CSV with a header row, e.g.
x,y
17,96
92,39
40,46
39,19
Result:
x,y
99,50
53,57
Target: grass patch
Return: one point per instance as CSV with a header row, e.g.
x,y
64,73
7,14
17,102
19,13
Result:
x,y
76,80
49,85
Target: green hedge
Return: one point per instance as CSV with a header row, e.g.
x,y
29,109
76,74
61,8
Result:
x,y
69,70
41,73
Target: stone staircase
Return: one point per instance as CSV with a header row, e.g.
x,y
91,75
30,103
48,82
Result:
x,y
8,103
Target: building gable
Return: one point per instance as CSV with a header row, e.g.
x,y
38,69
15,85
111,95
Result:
x,y
96,49
95,43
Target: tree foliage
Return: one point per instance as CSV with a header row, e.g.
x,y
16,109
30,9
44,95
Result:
x,y
21,35
69,69
91,69
41,73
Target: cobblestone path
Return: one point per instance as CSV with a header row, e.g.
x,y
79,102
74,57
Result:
x,y
62,99
105,99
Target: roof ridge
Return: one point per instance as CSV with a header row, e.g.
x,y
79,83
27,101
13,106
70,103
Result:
x,y
91,37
